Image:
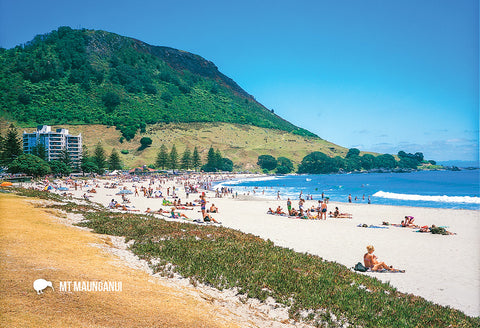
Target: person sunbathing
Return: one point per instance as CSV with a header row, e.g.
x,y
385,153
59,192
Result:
x,y
126,208
371,262
177,215
270,211
440,230
209,218
337,214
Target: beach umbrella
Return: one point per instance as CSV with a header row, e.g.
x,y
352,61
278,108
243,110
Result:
x,y
124,192
6,184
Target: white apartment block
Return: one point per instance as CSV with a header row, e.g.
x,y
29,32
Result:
x,y
54,142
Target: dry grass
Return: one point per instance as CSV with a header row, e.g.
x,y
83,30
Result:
x,y
33,245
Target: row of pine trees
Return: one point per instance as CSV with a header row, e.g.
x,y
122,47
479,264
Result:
x,y
13,158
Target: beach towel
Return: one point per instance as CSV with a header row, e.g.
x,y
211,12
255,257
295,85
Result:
x,y
389,271
371,226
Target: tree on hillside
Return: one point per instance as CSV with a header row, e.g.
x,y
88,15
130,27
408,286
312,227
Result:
x,y
385,161
59,167
29,164
318,163
284,165
210,166
227,165
173,158
99,158
368,161
12,146
162,157
267,162
114,162
196,162
39,151
352,152
65,157
186,159
218,159
145,142
111,100
87,165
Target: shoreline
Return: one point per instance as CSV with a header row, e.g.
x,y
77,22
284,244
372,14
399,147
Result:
x,y
404,199
425,257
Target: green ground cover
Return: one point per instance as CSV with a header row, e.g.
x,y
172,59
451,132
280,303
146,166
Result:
x,y
320,292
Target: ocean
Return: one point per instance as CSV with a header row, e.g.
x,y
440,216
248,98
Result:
x,y
439,189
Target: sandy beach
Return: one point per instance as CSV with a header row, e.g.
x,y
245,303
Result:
x,y
444,269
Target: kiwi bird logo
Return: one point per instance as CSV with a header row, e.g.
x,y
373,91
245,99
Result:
x,y
40,284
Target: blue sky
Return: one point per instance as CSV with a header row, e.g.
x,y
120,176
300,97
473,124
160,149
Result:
x,y
378,75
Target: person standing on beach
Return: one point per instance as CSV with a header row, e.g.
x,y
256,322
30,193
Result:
x,y
289,206
323,210
203,204
278,195
350,198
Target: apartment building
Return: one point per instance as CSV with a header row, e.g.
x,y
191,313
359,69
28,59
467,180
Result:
x,y
54,143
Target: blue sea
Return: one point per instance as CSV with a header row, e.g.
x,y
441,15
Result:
x,y
439,189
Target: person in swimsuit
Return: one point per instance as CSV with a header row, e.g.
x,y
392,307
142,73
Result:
x,y
371,261
209,218
203,205
323,211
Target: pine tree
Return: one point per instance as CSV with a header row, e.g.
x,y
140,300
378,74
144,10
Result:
x,y
65,157
173,158
186,159
162,157
218,160
196,159
114,162
12,146
99,157
40,151
211,158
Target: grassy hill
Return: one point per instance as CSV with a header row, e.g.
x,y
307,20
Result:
x,y
241,143
95,77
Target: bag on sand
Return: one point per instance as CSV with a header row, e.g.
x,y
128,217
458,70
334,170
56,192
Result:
x,y
360,267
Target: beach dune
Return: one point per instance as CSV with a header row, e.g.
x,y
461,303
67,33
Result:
x,y
444,269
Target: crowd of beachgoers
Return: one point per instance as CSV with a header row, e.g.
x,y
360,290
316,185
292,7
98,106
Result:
x,y
331,230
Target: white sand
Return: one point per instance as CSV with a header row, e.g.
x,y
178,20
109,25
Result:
x,y
442,269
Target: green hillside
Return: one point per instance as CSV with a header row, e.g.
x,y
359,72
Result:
x,y
95,77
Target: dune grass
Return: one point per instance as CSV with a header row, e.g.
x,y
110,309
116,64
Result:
x,y
320,292
34,244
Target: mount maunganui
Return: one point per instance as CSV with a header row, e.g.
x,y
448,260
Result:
x,y
84,76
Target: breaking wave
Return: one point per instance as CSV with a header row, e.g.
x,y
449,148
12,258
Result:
x,y
443,199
